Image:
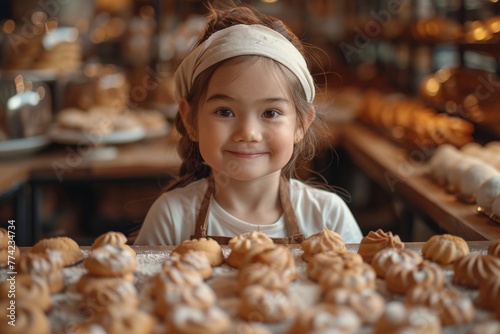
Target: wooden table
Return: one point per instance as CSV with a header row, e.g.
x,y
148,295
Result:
x,y
402,172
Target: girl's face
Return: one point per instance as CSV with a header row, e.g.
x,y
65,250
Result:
x,y
247,121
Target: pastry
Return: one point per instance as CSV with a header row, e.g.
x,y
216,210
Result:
x,y
323,241
29,319
262,305
70,251
7,248
174,276
189,320
398,318
261,274
212,249
331,260
112,238
385,258
494,248
488,192
121,293
367,303
200,297
442,154
452,307
88,283
244,243
471,270
444,248
399,277
473,178
192,260
84,328
489,293
375,241
124,320
43,266
279,258
27,288
356,278
326,318
110,261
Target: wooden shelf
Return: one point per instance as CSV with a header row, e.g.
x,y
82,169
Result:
x,y
402,173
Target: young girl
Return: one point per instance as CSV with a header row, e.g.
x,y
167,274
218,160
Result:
x,y
246,119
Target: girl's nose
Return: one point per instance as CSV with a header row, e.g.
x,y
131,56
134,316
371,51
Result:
x,y
247,131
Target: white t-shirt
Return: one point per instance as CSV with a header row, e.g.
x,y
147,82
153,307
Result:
x,y
172,217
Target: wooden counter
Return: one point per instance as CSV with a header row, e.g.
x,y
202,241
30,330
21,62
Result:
x,y
402,173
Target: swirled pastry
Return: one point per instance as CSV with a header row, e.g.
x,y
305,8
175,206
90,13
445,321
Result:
x,y
327,318
444,248
494,248
489,292
473,269
169,296
84,328
209,246
452,307
367,303
323,241
399,278
331,260
111,238
398,318
70,251
175,277
125,320
189,320
110,261
29,319
45,267
262,305
191,260
356,278
385,258
376,241
7,247
241,245
31,289
279,258
88,283
123,293
261,274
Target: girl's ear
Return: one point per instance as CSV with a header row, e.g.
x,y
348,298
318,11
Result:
x,y
300,131
185,113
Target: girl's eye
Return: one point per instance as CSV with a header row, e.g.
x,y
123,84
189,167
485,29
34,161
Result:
x,y
224,112
271,113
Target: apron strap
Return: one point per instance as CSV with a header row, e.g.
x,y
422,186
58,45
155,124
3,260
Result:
x,y
292,226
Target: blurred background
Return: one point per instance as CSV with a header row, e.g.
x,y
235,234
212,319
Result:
x,y
79,74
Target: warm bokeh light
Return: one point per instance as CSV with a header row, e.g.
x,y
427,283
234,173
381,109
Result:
x,y
432,87
8,26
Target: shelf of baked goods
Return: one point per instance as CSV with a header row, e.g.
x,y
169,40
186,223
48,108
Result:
x,y
405,172
254,285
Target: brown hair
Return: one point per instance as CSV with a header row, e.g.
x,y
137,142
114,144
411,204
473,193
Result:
x,y
193,167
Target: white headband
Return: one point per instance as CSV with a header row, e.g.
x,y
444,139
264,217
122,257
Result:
x,y
240,40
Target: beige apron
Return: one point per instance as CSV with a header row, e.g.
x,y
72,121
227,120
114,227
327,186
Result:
x,y
294,235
